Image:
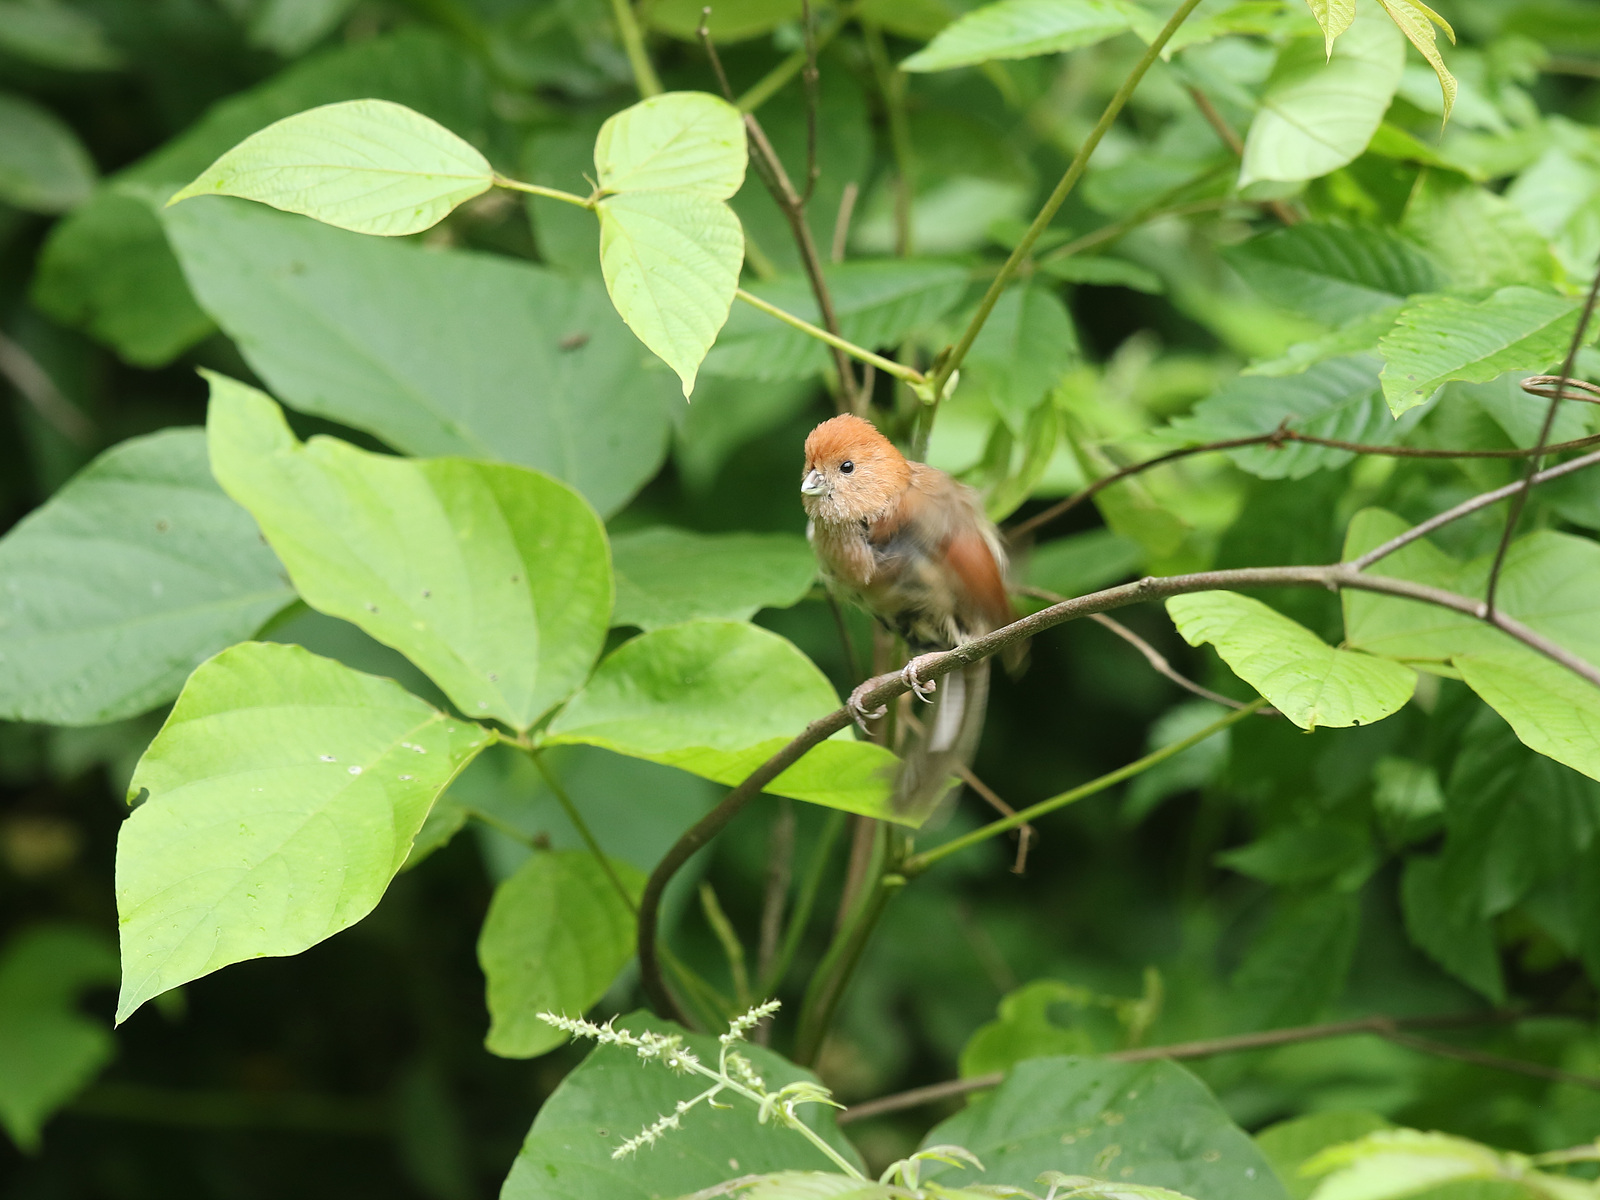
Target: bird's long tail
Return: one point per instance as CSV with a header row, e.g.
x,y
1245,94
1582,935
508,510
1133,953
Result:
x,y
947,742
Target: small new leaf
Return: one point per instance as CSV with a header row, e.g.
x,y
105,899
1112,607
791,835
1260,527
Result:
x,y
1334,16
370,166
1416,20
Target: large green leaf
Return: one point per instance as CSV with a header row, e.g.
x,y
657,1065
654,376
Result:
x,y
1462,942
1306,679
1551,582
665,576
1023,350
1553,710
371,166
1319,113
1443,337
1289,1143
107,268
43,165
435,353
1146,1123
878,303
613,1094
279,799
491,578
1297,966
1334,273
1021,29
1338,398
670,247
556,935
48,1049
123,582
1482,239
718,698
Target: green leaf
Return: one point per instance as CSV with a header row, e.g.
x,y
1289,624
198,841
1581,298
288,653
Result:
x,y
124,581
556,935
1021,353
670,248
1334,17
1440,338
1317,115
879,302
679,141
370,166
1553,710
48,1049
1416,20
1084,562
1460,941
1020,29
1105,1118
1023,1029
671,261
1337,398
1482,239
1104,271
43,166
1289,1143
491,578
1083,1187
1358,337
437,353
281,796
107,268
612,1095
718,698
1390,1163
1333,273
1297,967
1306,679
54,35
665,576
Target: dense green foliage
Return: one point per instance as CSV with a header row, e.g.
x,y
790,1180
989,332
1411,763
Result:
x,y
484,580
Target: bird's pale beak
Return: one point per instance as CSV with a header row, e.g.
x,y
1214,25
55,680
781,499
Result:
x,y
812,484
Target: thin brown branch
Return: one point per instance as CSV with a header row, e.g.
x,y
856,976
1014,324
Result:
x,y
809,76
1157,659
879,691
1549,387
1277,438
793,206
1025,833
1520,500
33,384
1390,1028
841,223
1231,139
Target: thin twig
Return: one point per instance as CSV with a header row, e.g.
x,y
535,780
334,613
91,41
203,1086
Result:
x,y
841,223
1231,139
1385,1027
33,384
644,74
732,948
772,82
1520,500
809,76
1277,438
839,344
1058,197
780,873
805,902
1025,833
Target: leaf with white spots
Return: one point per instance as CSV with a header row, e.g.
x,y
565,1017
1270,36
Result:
x,y
279,799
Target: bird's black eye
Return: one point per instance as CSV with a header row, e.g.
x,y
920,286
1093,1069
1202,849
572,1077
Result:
x,y
846,467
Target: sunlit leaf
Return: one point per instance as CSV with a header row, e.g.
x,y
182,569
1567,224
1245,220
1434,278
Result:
x,y
279,799
1553,710
1318,113
1390,1163
682,141
491,578
1307,680
1416,20
1334,17
1443,337
1021,29
370,166
718,698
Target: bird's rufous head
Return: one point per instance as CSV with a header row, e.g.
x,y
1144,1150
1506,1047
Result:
x,y
852,472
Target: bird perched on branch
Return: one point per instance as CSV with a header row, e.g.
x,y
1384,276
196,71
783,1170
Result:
x,y
914,548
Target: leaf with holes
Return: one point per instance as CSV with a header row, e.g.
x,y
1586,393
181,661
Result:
x,y
370,166
279,799
1306,679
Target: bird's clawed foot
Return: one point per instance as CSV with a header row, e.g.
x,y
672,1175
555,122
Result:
x,y
858,709
923,690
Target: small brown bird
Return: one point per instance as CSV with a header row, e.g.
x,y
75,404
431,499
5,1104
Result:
x,y
914,548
